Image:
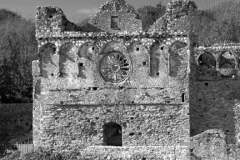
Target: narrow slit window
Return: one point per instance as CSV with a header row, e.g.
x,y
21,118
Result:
x,y
114,22
183,97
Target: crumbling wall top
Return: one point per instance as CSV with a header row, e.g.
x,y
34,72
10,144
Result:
x,y
52,19
117,6
178,8
48,12
115,16
176,16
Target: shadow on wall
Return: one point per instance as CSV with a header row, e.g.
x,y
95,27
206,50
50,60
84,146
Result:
x,y
45,55
175,58
213,106
90,28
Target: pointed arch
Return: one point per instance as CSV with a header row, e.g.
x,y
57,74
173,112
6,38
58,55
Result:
x,y
154,59
175,60
46,53
88,50
67,59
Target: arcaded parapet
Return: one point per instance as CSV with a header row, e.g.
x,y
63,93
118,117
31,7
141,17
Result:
x,y
177,16
217,62
115,16
52,19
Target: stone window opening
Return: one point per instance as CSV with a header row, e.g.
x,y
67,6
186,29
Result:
x,y
137,48
115,67
114,22
112,134
183,97
207,60
154,60
66,59
227,60
175,58
45,55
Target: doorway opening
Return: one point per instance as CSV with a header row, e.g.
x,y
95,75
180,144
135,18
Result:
x,y
112,134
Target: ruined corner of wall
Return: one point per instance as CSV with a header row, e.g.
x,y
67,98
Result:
x,y
176,18
51,19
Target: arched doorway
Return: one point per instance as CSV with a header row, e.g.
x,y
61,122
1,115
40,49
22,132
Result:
x,y
112,134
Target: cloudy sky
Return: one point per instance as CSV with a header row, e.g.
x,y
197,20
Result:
x,y
76,10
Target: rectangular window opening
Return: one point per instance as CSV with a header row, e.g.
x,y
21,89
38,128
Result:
x,y
183,97
114,22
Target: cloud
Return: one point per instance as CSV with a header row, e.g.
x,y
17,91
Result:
x,y
88,11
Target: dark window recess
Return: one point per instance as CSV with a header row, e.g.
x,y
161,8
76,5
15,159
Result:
x,y
112,134
81,68
131,134
114,22
167,101
94,88
183,97
154,61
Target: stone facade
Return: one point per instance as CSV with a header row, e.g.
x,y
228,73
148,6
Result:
x,y
214,99
120,86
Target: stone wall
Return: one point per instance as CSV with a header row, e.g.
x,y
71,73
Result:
x,y
86,83
151,85
52,19
118,12
81,126
211,144
176,18
214,99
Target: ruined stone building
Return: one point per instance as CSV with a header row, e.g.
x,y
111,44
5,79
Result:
x,y
117,85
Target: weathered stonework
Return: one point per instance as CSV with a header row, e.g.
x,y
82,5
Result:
x,y
124,14
129,88
176,17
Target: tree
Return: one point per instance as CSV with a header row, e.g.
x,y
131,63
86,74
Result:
x,y
17,50
149,14
217,24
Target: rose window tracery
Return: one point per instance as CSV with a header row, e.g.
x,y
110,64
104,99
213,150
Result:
x,y
115,67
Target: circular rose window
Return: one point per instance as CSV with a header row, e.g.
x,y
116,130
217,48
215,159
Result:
x,y
115,67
